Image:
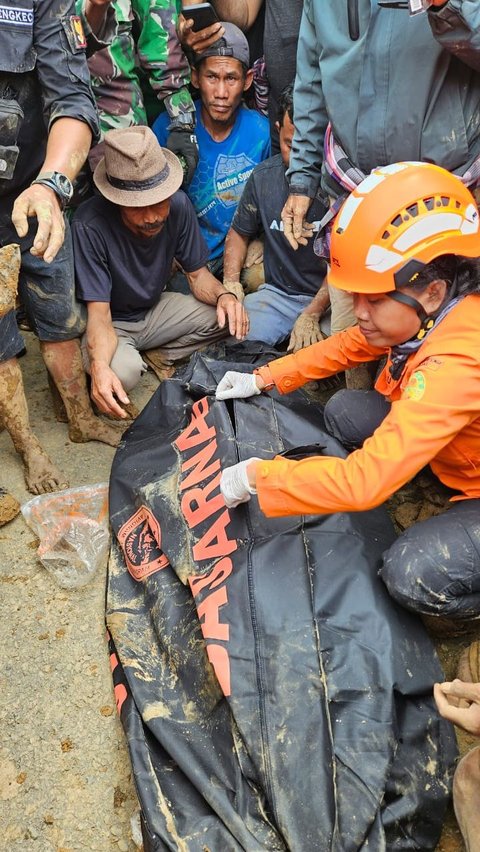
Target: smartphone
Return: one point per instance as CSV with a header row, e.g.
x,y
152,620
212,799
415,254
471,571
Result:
x,y
202,14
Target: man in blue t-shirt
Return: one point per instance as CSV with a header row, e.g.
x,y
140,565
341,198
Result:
x,y
125,241
294,298
231,139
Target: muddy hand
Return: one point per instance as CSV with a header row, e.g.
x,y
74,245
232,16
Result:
x,y
41,202
10,260
305,332
254,254
296,229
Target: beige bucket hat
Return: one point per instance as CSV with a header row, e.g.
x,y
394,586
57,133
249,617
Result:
x,y
135,170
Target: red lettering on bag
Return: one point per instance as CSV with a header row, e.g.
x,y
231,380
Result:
x,y
198,462
217,575
197,431
219,659
199,503
215,541
120,694
208,610
195,506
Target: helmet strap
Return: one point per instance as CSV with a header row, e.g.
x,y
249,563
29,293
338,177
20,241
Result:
x,y
411,302
427,321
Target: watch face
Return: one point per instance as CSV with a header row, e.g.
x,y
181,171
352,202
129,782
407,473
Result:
x,y
64,185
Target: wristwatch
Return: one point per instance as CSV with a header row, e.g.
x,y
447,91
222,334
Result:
x,y
183,121
60,183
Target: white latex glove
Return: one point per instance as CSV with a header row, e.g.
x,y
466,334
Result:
x,y
237,386
234,483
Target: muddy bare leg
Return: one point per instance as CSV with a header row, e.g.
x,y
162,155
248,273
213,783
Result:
x,y
64,362
466,799
40,473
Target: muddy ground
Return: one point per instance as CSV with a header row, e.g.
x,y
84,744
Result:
x,y
65,778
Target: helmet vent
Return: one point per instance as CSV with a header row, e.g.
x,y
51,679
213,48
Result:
x,y
385,235
429,203
397,221
413,210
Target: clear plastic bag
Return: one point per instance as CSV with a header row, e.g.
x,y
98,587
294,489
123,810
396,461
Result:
x,y
73,529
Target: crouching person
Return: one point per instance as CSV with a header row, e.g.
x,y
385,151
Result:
x,y
124,243
406,245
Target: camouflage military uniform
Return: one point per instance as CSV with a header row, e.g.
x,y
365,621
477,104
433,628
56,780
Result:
x,y
145,50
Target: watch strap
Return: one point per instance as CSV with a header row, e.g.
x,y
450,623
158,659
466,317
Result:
x,y
184,121
51,179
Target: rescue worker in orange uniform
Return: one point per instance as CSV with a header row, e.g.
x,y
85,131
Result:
x,y
406,244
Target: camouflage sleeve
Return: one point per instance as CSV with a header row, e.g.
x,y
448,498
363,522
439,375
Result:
x,y
114,77
102,37
161,55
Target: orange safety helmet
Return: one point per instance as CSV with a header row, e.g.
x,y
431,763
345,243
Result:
x,y
397,220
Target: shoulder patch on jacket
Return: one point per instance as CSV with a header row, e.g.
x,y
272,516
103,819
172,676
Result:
x,y
74,31
415,388
432,364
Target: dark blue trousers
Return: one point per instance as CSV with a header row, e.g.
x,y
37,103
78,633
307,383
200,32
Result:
x,y
433,568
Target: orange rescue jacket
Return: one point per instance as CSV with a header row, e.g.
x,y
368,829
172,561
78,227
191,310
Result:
x,y
434,419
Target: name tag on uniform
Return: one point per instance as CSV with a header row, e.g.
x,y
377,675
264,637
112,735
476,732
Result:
x,y
17,16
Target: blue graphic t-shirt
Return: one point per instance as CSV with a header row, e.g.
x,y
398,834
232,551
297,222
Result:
x,y
222,171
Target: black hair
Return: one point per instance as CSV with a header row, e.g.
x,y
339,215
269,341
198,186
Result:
x,y
285,104
463,272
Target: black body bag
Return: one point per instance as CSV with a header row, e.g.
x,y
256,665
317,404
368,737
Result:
x,y
272,694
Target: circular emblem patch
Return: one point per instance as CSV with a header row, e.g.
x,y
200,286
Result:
x,y
416,386
140,539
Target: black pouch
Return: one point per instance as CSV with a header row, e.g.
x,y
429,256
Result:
x,y
11,117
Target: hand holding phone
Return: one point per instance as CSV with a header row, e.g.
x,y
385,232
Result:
x,y
193,37
203,15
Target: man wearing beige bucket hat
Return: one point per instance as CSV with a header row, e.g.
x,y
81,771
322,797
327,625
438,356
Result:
x,y
125,241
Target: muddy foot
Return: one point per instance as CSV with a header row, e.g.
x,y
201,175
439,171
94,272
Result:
x,y
93,429
41,474
9,507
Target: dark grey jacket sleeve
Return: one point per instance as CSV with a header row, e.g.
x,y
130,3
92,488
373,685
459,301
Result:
x,y
61,65
457,27
311,117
